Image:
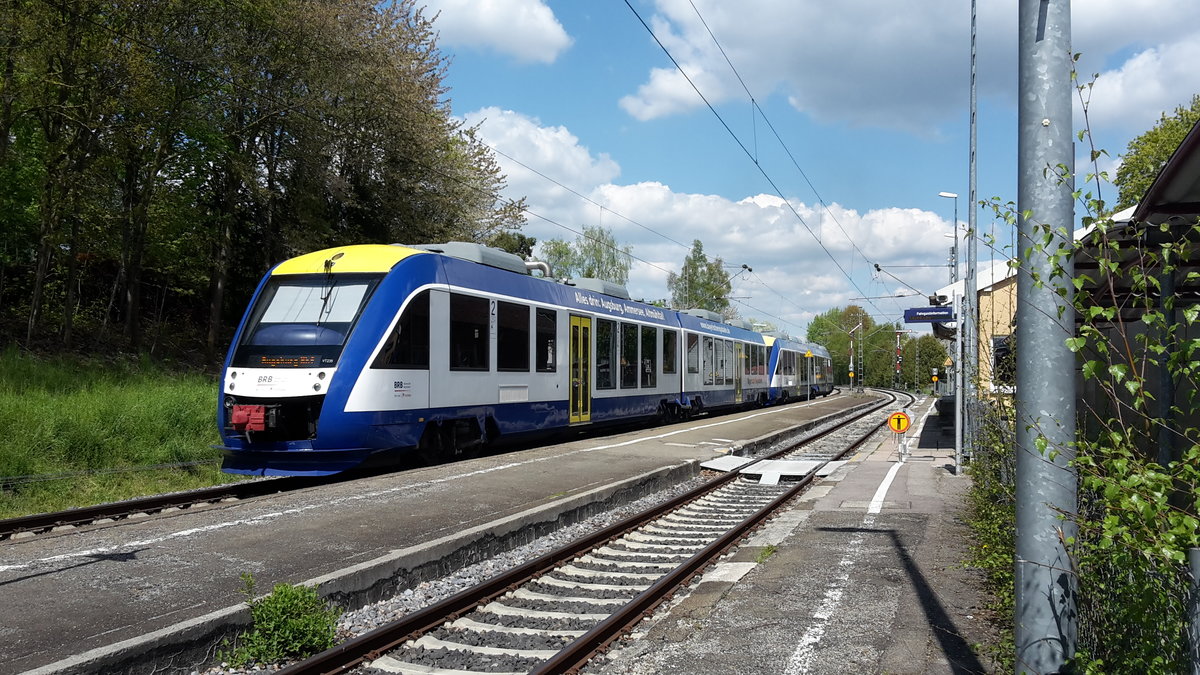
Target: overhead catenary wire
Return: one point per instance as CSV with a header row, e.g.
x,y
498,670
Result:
x,y
782,144
750,155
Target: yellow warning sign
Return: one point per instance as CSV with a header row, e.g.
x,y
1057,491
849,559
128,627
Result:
x,y
899,422
935,378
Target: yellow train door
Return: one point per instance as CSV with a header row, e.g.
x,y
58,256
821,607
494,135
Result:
x,y
581,368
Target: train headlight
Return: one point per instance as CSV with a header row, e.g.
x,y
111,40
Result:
x,y
230,402
321,375
317,386
233,374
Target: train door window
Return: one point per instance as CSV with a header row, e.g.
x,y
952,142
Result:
x,y
730,362
745,365
670,344
649,356
468,332
512,337
693,353
710,362
629,356
606,354
408,345
546,335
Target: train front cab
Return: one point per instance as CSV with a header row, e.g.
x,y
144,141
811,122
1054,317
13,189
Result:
x,y
293,361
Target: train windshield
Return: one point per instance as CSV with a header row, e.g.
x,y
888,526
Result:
x,y
303,321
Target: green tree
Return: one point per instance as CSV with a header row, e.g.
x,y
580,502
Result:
x,y
513,242
593,254
156,160
701,283
1146,155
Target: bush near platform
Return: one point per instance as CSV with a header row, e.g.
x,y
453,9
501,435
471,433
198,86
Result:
x,y
291,622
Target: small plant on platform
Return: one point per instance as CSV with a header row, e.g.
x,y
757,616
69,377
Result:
x,y
765,553
291,622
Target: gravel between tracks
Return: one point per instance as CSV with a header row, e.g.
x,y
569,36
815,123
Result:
x,y
367,618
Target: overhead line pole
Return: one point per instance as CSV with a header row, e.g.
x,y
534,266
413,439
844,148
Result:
x,y
971,320
1046,614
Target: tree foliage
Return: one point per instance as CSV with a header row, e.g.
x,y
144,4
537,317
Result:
x,y
1147,154
1137,447
837,328
158,159
701,283
594,253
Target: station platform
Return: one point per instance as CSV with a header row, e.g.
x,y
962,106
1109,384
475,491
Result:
x,y
161,594
865,574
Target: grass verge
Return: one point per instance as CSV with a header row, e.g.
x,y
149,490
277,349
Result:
x,y
81,432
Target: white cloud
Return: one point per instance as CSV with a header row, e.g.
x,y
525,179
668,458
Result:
x,y
526,30
792,277
866,63
1151,82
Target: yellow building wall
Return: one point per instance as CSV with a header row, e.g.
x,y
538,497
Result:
x,y
997,309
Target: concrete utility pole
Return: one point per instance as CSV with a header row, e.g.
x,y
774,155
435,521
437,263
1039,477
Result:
x,y
1046,613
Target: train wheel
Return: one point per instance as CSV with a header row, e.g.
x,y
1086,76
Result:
x,y
431,449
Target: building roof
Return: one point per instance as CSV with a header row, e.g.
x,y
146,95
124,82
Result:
x,y
1166,214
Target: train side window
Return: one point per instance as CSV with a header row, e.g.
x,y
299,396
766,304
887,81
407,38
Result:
x,y
606,353
710,362
512,337
747,352
649,356
468,332
693,353
546,334
670,344
629,356
408,345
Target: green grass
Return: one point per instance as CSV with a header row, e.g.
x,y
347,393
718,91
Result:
x,y
65,415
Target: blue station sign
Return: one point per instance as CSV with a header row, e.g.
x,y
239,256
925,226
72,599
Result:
x,y
928,314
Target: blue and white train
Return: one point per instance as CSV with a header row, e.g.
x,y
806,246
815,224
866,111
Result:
x,y
348,356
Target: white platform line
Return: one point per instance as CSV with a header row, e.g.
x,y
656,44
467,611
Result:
x,y
801,661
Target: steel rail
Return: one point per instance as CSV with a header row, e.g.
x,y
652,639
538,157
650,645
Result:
x,y
586,647
373,644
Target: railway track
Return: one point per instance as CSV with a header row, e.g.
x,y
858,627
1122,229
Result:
x,y
42,523
117,512
556,613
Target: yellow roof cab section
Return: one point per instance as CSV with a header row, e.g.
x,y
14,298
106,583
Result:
x,y
344,259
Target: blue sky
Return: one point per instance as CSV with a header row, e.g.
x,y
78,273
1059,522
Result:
x,y
870,98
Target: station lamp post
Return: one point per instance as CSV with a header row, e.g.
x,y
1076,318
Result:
x,y
959,311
